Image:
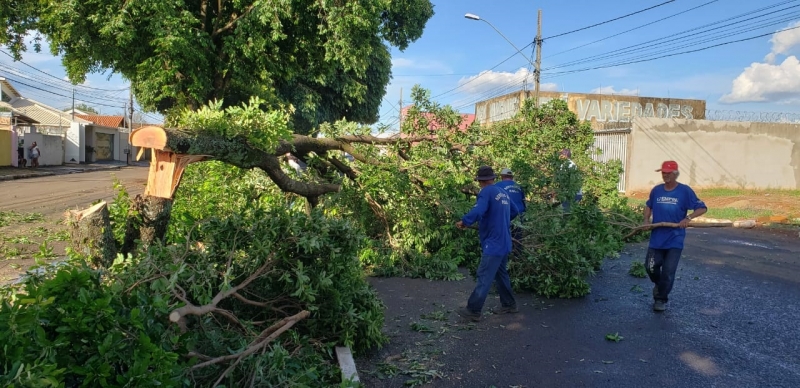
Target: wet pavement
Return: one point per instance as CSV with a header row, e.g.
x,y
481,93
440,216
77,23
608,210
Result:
x,y
732,321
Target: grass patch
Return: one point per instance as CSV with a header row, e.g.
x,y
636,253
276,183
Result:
x,y
737,214
728,192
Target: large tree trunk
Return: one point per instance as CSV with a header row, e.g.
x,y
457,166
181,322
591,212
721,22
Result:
x,y
154,213
91,234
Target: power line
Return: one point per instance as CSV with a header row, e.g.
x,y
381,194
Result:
x,y
702,40
83,95
60,79
633,29
647,45
674,54
608,21
57,94
479,75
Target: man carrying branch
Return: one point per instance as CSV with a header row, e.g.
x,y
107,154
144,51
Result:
x,y
668,202
494,210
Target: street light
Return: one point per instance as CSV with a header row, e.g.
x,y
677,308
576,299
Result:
x,y
472,16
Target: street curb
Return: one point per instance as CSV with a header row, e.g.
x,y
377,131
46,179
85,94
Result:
x,y
51,173
24,176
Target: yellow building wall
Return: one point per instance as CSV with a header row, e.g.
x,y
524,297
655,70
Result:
x,y
5,148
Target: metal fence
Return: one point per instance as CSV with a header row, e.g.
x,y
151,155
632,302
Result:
x,y
612,145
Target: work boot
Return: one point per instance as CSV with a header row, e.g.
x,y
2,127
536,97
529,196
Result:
x,y
506,310
467,314
659,306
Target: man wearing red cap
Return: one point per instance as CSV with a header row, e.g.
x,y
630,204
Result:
x,y
668,202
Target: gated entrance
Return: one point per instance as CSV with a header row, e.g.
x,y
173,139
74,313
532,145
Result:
x,y
612,145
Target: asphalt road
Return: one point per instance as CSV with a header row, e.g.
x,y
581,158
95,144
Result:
x,y
732,321
52,195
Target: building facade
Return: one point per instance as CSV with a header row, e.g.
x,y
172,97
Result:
x,y
604,111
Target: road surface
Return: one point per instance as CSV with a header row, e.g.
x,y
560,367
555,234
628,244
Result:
x,y
732,321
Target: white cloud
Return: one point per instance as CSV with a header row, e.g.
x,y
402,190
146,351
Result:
x,y
783,42
413,64
611,90
765,82
492,82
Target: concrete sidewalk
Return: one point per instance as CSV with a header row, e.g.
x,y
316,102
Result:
x,y
12,173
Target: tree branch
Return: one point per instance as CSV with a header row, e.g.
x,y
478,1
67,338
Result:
x,y
265,337
232,22
178,315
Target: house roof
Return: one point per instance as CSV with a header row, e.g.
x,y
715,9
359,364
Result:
x,y
7,87
466,119
44,114
17,114
106,121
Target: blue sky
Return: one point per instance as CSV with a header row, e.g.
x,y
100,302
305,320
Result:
x,y
454,51
454,56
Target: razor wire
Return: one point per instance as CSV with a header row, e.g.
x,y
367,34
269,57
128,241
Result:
x,y
750,116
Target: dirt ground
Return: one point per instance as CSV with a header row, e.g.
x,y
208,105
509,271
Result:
x,y
778,203
32,212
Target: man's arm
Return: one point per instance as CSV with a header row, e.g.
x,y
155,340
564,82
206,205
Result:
x,y
647,213
481,205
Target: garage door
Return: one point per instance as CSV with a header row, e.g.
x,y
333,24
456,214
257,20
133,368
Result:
x,y
104,147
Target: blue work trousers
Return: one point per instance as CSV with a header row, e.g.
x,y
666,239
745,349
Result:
x,y
491,268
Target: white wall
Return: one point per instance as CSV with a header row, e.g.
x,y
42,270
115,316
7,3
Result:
x,y
715,153
51,148
73,152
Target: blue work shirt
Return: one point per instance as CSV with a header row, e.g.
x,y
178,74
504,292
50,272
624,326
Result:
x,y
671,206
515,193
494,210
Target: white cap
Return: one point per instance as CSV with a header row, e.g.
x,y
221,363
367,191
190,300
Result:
x,y
506,171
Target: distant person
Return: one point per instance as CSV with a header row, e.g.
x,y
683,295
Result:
x,y
33,154
567,155
517,196
668,202
21,161
494,210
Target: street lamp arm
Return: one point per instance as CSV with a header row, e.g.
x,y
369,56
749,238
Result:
x,y
476,17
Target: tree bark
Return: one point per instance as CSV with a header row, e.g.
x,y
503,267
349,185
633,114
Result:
x,y
155,215
91,235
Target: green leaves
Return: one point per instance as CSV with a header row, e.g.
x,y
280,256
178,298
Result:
x,y
329,59
67,328
261,128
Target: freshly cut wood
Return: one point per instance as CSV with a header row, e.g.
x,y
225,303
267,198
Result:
x,y
693,224
91,235
149,137
747,224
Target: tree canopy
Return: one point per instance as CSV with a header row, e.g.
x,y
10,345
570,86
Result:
x,y
329,59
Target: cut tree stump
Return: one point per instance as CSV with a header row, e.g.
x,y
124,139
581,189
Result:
x,y
91,235
152,211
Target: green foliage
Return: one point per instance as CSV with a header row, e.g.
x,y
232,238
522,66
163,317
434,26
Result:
x,y
615,337
328,59
12,217
119,210
67,328
313,263
45,251
637,270
261,128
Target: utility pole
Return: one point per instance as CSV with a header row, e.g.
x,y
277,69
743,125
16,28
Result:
x,y
130,107
73,104
400,126
538,74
